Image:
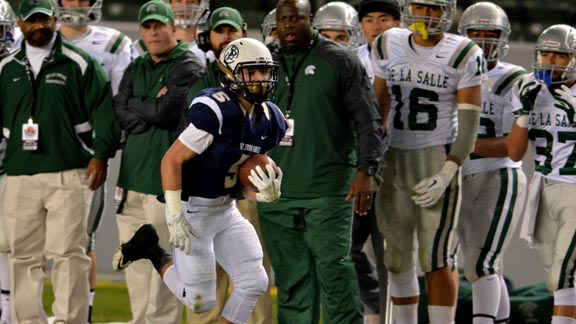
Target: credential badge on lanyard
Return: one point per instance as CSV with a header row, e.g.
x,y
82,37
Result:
x,y
30,136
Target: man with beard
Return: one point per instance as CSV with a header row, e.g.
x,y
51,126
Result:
x,y
225,25
61,130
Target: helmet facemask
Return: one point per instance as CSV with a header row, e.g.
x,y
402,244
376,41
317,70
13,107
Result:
x,y
486,16
7,23
425,25
248,70
555,39
339,16
79,16
191,15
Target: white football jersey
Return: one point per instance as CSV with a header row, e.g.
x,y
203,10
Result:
x,y
496,116
364,56
423,84
110,48
553,139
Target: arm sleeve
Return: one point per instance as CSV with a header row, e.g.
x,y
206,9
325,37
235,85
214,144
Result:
x,y
166,111
98,94
128,120
360,101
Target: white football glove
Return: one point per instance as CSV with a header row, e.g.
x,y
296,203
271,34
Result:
x,y
180,232
268,185
566,101
429,190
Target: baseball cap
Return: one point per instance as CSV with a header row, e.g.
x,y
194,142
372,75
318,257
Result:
x,y
29,7
388,6
156,10
226,16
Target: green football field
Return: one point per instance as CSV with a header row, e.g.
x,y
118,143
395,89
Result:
x,y
111,303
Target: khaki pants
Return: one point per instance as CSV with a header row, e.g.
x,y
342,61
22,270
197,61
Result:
x,y
262,313
151,302
45,219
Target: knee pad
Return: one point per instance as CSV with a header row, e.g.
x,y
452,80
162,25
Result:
x,y
253,281
404,284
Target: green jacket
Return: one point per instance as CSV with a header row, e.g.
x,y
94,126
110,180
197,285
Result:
x,y
336,119
152,123
73,110
211,79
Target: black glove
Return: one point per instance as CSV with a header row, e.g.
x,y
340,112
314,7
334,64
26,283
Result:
x,y
566,101
528,93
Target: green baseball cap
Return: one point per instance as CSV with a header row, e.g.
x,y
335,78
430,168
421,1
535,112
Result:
x,y
226,16
156,10
29,7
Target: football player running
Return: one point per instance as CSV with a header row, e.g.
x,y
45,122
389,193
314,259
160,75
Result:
x,y
493,186
546,121
428,83
199,177
111,49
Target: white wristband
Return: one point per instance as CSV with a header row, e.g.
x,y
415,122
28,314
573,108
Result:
x,y
523,121
173,201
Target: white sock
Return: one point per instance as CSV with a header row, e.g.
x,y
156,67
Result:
x,y
441,314
5,287
503,315
173,282
405,314
562,320
485,299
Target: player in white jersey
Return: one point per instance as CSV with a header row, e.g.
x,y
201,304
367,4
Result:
x,y
428,83
188,15
493,186
376,17
7,36
111,49
547,122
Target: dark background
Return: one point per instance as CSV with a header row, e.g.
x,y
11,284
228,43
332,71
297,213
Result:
x,y
528,17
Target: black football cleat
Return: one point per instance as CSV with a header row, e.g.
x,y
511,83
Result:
x,y
143,245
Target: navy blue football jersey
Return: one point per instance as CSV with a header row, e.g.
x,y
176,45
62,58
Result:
x,y
235,136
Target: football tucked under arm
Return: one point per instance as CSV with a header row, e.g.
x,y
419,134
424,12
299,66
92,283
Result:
x,y
261,179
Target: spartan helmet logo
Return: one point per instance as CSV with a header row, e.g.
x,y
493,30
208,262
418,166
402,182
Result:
x,y
231,54
33,2
151,8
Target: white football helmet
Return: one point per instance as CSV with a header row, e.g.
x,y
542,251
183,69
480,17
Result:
x,y
7,22
556,39
339,16
191,14
243,59
79,16
487,16
268,24
434,26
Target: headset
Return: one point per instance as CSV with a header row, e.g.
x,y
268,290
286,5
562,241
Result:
x,y
203,38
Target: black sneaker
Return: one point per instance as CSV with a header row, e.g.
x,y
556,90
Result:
x,y
142,245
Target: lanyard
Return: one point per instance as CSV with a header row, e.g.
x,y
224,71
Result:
x,y
35,80
291,79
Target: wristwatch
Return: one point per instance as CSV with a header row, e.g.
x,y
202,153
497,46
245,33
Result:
x,y
369,170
